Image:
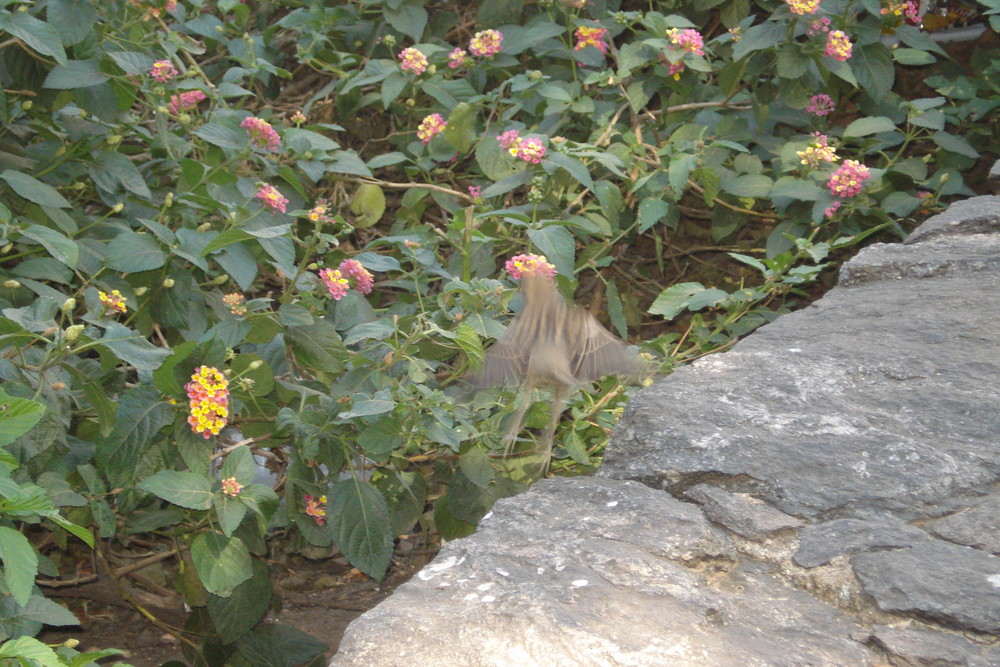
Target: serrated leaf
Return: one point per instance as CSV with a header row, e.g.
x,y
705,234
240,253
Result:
x,y
60,247
20,564
45,611
229,511
132,348
222,136
749,185
131,253
761,36
955,144
459,131
573,166
477,467
651,211
368,408
30,649
380,438
17,417
132,62
114,171
558,246
470,343
140,416
237,614
37,34
33,189
185,489
359,520
674,300
75,74
317,346
409,18
223,563
863,127
272,644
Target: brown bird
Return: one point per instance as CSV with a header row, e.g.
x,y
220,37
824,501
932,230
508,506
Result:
x,y
551,344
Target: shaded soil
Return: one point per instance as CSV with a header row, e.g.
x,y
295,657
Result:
x,y
319,597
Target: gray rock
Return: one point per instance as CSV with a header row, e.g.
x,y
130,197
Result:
x,y
954,585
977,526
993,179
877,398
589,572
822,542
753,520
950,255
976,215
913,646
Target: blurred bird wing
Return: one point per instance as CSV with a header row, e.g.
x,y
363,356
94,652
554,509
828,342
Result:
x,y
507,360
595,352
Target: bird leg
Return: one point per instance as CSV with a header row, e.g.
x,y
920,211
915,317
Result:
x,y
515,426
561,393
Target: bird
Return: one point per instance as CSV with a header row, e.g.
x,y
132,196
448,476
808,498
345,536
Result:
x,y
550,344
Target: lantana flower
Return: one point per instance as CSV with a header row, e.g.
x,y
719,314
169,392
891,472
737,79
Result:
x,y
848,179
269,196
534,265
262,135
231,487
689,40
114,302
208,401
486,43
412,60
457,58
529,149
817,152
838,45
430,127
819,26
350,274
586,36
236,302
803,7
316,508
163,71
185,101
820,105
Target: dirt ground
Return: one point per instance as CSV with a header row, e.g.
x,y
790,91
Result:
x,y
317,597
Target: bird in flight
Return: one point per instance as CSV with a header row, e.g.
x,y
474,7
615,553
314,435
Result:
x,y
550,344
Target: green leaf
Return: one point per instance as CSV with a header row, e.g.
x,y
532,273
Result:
x,y
460,130
47,612
228,237
186,489
359,520
237,614
380,438
955,144
912,57
558,246
368,204
132,62
317,346
863,127
29,651
651,211
758,37
469,341
276,645
33,189
674,300
409,18
131,253
140,416
75,74
872,64
517,39
616,309
494,162
132,348
113,171
20,564
493,13
348,162
477,467
575,168
223,563
37,34
222,136
60,247
749,185
230,511
795,188
368,408
791,62
239,463
17,417
406,495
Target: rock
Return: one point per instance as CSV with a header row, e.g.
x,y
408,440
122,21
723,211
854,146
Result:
x,y
822,542
978,526
929,648
955,585
588,571
975,215
880,397
753,520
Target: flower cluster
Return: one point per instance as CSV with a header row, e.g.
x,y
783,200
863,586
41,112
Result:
x,y
532,265
339,280
271,198
848,179
820,105
412,60
262,135
185,101
208,400
689,40
163,71
114,302
817,152
320,213
591,37
236,302
486,43
803,7
529,149
231,487
908,9
838,45
475,191
831,210
457,58
316,508
820,26
430,127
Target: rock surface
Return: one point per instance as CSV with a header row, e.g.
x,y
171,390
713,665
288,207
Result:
x,y
825,493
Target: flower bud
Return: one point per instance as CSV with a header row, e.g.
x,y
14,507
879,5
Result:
x,y
71,643
7,248
73,332
944,178
204,227
431,69
221,280
139,291
11,284
162,109
58,386
113,139
68,306
168,282
220,28
117,208
27,104
534,75
254,365
312,266
168,200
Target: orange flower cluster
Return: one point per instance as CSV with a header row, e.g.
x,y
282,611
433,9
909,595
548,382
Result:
x,y
114,302
316,508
